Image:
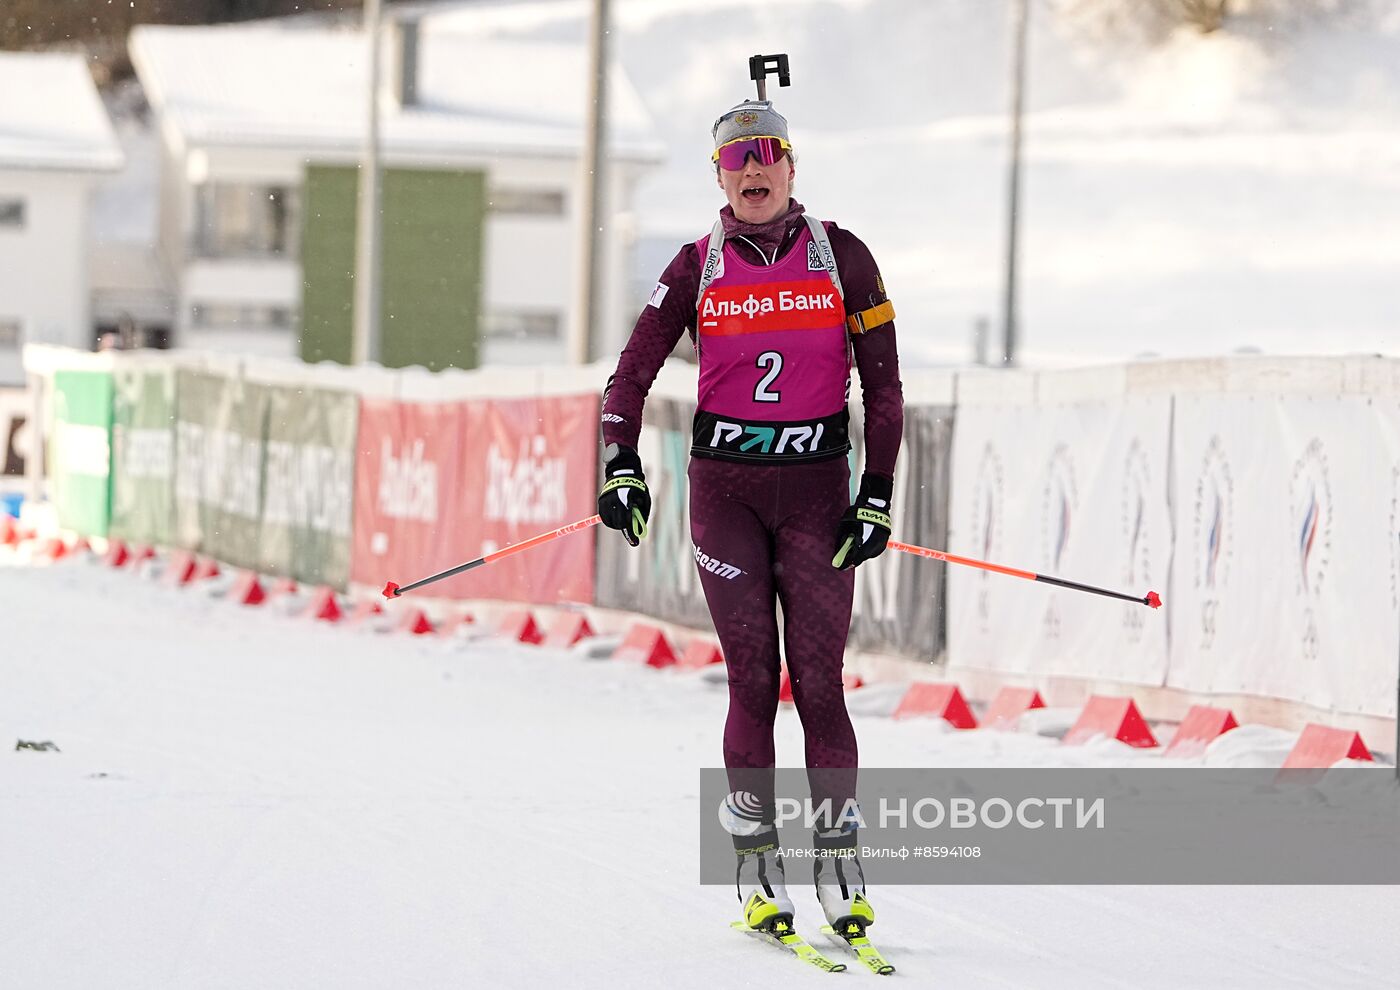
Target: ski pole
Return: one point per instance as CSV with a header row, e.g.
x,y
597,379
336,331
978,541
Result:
x,y
1151,599
392,590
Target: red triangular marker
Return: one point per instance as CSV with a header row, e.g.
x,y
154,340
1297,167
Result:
x,y
323,605
701,653
415,622
1201,726
945,701
1116,718
646,644
1009,705
566,630
248,590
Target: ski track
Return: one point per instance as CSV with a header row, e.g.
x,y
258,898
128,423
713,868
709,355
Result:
x,y
288,804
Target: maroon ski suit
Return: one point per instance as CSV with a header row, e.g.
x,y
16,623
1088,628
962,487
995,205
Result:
x,y
764,530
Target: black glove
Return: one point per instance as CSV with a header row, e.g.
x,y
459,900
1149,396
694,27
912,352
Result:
x,y
865,528
624,503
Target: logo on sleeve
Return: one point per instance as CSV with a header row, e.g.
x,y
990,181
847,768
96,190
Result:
x,y
658,294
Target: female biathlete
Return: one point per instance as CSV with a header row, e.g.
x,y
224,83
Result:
x,y
777,306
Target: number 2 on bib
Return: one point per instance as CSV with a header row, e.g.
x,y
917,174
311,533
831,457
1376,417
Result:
x,y
773,361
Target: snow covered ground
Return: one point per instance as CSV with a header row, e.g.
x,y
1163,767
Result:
x,y
244,799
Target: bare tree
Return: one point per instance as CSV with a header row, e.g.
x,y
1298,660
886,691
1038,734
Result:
x,y
1208,15
1153,21
100,27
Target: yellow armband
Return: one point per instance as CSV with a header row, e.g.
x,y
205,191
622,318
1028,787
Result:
x,y
875,316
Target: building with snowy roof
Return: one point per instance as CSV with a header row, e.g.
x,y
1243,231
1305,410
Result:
x,y
55,141
247,112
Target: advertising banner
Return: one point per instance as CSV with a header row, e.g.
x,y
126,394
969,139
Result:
x,y
80,450
219,430
1077,491
1287,558
308,485
437,484
899,606
408,468
143,455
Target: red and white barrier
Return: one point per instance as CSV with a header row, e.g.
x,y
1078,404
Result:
x,y
248,589
118,555
943,701
456,622
179,568
52,548
1201,727
1009,705
1115,718
365,609
701,653
324,606
646,644
519,625
1320,746
567,629
415,622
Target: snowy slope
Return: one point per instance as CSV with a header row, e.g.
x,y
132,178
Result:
x,y
1220,192
245,800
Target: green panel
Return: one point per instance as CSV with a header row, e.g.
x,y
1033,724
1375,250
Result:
x,y
309,485
432,244
431,240
80,452
143,455
219,444
328,264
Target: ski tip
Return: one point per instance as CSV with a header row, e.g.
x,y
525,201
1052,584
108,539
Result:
x,y
1153,600
391,590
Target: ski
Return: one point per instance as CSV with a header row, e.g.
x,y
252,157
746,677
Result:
x,y
855,939
786,938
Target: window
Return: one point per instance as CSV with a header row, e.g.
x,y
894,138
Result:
x,y
532,202
10,335
131,334
204,316
246,221
521,325
11,212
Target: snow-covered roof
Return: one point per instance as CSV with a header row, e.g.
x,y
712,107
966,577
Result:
x,y
283,85
51,116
